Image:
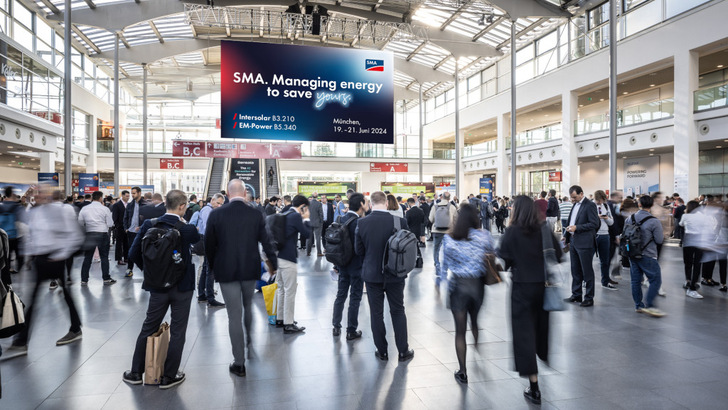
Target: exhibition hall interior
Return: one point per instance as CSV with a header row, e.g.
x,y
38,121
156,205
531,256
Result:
x,y
469,104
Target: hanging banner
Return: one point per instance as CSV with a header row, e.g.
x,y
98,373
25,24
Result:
x,y
171,163
253,150
388,167
486,188
442,188
222,150
257,150
330,189
188,148
248,171
406,189
88,183
48,178
285,151
641,175
305,93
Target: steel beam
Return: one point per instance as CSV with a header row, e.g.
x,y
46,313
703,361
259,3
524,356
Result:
x,y
67,107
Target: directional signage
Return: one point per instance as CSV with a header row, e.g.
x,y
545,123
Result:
x,y
388,167
171,163
254,150
188,149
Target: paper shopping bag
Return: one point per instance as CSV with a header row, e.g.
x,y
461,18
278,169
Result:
x,y
157,345
13,315
269,295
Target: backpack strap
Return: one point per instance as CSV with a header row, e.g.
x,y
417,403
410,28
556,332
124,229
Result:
x,y
154,221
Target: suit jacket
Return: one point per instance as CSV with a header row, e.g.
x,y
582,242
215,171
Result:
x,y
416,221
270,210
294,226
117,214
316,212
329,209
587,224
372,233
189,236
355,265
151,211
285,208
231,242
129,212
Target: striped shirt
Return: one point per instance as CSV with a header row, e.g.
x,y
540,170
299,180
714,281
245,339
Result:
x,y
565,209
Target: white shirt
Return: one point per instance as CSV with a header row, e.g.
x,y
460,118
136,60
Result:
x,y
53,231
575,212
95,217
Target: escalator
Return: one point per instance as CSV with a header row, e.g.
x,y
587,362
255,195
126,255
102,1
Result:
x,y
215,176
272,181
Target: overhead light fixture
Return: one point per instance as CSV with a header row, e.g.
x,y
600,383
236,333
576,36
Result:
x,y
625,93
652,85
719,146
489,19
601,99
652,149
720,65
10,146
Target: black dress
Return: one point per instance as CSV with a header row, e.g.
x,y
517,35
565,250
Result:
x,y
523,254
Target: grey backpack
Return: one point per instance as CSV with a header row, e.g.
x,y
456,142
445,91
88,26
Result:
x,y
400,254
442,216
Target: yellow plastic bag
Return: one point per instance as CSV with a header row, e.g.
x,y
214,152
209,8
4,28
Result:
x,y
269,295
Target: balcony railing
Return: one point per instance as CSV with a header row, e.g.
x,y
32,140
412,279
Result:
x,y
354,150
637,114
713,97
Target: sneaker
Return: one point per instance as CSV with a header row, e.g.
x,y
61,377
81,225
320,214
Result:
x,y
661,292
640,309
54,284
84,283
693,294
609,286
169,382
613,282
723,288
213,303
15,351
289,329
132,378
129,273
70,337
109,281
654,312
533,396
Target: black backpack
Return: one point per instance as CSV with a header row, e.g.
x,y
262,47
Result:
x,y
339,248
189,212
618,226
630,242
275,225
162,255
401,252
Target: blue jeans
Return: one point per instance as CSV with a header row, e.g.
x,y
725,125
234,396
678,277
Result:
x,y
603,243
206,285
438,242
650,268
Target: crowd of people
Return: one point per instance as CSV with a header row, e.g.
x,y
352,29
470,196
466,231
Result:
x,y
228,239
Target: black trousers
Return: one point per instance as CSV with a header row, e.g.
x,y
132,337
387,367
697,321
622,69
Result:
x,y
13,245
708,267
530,325
395,297
347,282
130,240
47,269
582,271
121,251
692,257
159,302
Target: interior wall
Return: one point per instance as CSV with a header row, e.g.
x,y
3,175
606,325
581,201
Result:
x,y
18,175
594,175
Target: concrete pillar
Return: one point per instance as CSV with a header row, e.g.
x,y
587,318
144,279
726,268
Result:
x,y
502,182
47,162
569,160
686,133
91,161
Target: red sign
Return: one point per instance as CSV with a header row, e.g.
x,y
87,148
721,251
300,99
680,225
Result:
x,y
74,183
222,150
171,163
218,123
252,150
188,149
388,167
554,176
285,151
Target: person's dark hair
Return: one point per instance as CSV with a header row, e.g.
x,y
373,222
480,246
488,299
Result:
x,y
576,189
646,201
299,200
8,191
69,199
692,205
356,201
525,214
136,188
88,196
467,218
600,195
675,195
392,203
410,200
193,198
124,192
223,192
174,199
543,194
287,198
399,198
552,192
97,195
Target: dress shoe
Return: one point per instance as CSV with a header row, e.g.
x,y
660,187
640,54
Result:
x,y
336,331
279,323
461,377
573,299
237,370
381,356
121,263
202,299
308,253
587,303
408,355
353,335
288,329
169,382
132,378
320,255
532,396
213,303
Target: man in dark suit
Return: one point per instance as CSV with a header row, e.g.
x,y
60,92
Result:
x,y
132,223
425,210
317,222
328,212
286,203
416,220
581,235
153,210
177,298
232,235
350,275
86,201
117,215
371,237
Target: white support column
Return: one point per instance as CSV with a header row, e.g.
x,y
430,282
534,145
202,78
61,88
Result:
x,y
569,160
47,162
502,182
92,165
685,129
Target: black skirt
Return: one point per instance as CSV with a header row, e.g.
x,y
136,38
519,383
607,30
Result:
x,y
530,324
466,294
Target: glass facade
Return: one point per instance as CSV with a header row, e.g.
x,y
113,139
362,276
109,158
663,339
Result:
x,y
713,171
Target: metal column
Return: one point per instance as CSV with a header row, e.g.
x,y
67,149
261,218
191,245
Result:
x,y
457,132
67,108
117,135
422,133
145,129
612,96
513,108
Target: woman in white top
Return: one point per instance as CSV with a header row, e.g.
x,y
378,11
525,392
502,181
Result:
x,y
696,225
606,220
393,206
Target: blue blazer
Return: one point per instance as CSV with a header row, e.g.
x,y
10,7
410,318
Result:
x,y
372,233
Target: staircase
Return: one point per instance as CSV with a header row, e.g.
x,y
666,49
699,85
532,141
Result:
x,y
215,177
272,187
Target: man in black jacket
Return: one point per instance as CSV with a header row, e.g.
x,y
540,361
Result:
x,y
426,210
132,222
328,209
178,298
552,211
153,210
350,275
416,220
232,235
372,234
117,215
581,234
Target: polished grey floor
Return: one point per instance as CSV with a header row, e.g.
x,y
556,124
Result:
x,y
604,357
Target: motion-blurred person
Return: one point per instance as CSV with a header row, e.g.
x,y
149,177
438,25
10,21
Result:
x,y
442,217
500,216
206,283
96,221
54,235
117,215
712,240
647,265
522,250
152,210
564,211
464,249
132,223
696,224
717,252
316,212
10,214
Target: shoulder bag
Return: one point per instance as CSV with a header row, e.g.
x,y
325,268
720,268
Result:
x,y
553,277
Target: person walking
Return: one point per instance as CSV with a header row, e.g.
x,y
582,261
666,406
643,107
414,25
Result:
x,y
121,248
606,219
316,212
176,299
206,284
652,236
96,221
464,251
695,225
580,234
232,235
442,217
372,234
132,223
552,211
500,216
522,249
11,213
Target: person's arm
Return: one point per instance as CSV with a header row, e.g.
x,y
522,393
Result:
x,y
109,219
81,218
592,219
657,233
358,242
504,251
268,248
195,218
432,214
135,250
683,219
128,213
211,240
301,227
610,218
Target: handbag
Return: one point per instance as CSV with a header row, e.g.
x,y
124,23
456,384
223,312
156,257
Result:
x,y
553,277
199,247
13,315
156,354
492,269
